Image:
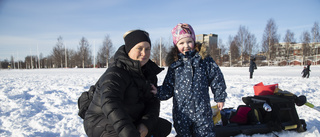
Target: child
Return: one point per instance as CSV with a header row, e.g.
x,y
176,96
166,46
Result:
x,y
304,72
190,74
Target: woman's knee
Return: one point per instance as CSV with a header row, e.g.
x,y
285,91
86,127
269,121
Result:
x,y
162,129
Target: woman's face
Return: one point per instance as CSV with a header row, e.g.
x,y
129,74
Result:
x,y
185,44
140,52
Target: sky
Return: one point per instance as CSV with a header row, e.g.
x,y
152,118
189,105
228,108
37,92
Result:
x,y
32,27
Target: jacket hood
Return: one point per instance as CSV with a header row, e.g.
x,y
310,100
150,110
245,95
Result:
x,y
173,54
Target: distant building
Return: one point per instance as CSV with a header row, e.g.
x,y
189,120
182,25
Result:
x,y
293,54
211,41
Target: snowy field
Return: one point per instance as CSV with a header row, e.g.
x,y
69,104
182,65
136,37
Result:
x,y
43,102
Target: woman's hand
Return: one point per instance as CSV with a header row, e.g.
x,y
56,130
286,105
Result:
x,y
153,89
143,130
220,105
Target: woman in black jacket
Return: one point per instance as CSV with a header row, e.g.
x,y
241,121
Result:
x,y
123,104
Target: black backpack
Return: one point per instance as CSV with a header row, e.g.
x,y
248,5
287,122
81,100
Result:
x,y
84,101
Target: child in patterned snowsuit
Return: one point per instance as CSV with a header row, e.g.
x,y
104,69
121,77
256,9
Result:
x,y
189,76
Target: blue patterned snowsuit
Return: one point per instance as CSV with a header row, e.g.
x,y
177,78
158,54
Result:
x,y
188,81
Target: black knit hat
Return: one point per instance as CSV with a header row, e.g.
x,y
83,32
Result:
x,y
134,37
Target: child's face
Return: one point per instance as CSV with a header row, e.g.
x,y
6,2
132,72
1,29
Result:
x,y
185,44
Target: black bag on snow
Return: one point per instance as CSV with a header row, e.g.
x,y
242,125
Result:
x,y
84,101
283,116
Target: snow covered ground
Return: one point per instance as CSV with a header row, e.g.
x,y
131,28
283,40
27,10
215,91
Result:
x,y
43,102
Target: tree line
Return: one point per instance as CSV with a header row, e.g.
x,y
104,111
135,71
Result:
x,y
62,57
237,50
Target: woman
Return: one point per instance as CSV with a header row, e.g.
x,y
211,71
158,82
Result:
x,y
123,104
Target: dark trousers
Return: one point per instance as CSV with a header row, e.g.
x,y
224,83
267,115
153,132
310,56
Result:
x,y
308,74
162,129
251,74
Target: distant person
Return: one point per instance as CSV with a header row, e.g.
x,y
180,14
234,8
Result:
x,y
252,66
308,70
190,73
304,72
123,105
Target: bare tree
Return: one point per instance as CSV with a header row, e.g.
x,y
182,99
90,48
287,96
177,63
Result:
x,y
47,61
222,50
305,39
246,42
288,39
75,59
40,61
84,52
164,52
104,54
270,39
241,38
29,60
155,52
212,49
233,48
58,52
4,64
315,39
315,33
72,58
251,44
222,47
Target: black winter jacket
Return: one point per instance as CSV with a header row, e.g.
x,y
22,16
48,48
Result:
x,y
123,99
252,66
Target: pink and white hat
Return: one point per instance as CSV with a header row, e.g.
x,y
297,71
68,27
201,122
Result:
x,y
182,30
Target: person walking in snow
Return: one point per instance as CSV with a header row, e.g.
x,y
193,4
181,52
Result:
x,y
122,104
308,70
190,73
304,72
252,66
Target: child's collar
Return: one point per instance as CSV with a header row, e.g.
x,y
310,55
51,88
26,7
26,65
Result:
x,y
187,54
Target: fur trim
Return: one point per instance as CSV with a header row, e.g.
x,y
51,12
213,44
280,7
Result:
x,y
173,53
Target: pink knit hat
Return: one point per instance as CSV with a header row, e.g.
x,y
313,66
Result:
x,y
182,30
